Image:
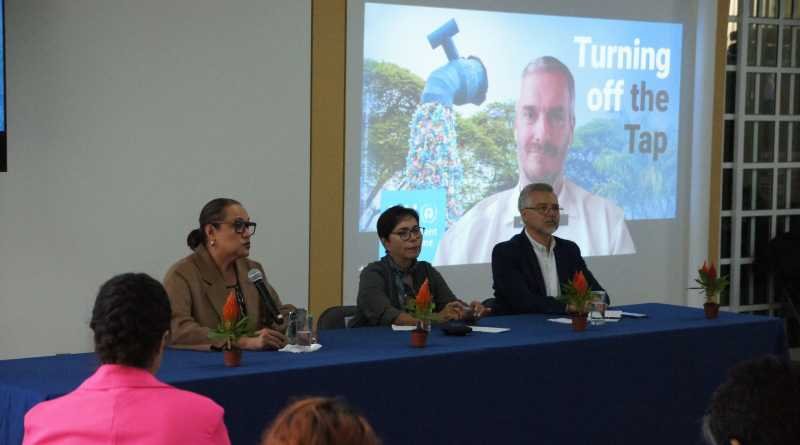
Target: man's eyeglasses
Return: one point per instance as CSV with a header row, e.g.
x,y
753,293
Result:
x,y
240,226
405,234
544,208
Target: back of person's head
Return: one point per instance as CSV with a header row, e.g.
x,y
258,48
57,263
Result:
x,y
391,217
759,404
319,421
129,319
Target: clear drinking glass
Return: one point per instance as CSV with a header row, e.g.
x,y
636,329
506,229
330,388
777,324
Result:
x,y
598,308
304,331
301,325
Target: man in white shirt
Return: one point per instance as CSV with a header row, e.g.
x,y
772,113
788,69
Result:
x,y
529,269
543,129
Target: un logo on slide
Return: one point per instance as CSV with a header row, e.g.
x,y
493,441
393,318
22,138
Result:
x,y
428,215
431,206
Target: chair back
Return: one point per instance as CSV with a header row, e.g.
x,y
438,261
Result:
x,y
491,304
335,317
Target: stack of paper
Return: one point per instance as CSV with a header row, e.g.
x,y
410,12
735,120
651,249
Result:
x,y
298,348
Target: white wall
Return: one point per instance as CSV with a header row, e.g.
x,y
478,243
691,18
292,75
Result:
x,y
701,137
124,118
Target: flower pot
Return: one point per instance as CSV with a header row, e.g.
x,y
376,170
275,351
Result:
x,y
232,357
711,309
579,322
418,338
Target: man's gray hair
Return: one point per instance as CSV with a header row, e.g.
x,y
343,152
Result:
x,y
551,64
522,202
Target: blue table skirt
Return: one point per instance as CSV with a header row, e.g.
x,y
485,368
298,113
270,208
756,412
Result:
x,y
634,381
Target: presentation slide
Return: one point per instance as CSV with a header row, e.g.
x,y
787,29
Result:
x,y
463,108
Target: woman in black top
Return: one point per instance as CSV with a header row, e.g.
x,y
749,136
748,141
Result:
x,y
385,285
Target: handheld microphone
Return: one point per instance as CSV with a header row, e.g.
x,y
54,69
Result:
x,y
257,278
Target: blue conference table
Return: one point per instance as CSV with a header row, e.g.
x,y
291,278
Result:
x,y
634,381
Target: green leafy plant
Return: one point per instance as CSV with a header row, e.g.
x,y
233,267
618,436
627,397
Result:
x,y
710,284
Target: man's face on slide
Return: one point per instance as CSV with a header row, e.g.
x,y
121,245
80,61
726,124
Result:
x,y
543,126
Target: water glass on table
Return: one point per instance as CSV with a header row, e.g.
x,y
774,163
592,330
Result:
x,y
301,326
305,331
597,313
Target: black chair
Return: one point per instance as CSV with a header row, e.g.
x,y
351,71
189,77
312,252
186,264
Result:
x,y
490,304
335,317
779,258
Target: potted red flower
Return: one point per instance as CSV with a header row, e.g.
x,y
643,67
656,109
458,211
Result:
x,y
712,286
421,307
577,295
230,329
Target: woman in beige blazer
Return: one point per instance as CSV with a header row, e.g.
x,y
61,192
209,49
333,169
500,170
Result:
x,y
199,284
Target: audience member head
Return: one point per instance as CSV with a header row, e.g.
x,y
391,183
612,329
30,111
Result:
x,y
130,320
759,404
319,421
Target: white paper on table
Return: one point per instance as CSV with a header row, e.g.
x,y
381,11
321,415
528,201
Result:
x,y
484,329
613,314
634,314
297,348
397,327
569,320
489,330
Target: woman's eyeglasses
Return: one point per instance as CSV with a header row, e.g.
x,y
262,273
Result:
x,y
240,226
544,208
406,234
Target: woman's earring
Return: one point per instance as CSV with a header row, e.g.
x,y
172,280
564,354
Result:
x,y
213,242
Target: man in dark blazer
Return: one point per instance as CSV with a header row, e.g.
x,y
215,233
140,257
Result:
x,y
529,269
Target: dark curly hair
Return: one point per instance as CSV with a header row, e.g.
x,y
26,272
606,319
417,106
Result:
x,y
130,315
214,210
759,404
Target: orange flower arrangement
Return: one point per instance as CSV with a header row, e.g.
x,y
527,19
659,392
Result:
x,y
230,312
424,295
710,284
231,328
422,306
577,293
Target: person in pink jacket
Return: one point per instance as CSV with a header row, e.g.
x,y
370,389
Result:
x,y
123,402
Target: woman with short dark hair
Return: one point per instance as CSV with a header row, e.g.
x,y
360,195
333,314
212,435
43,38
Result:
x,y
198,285
385,285
123,402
